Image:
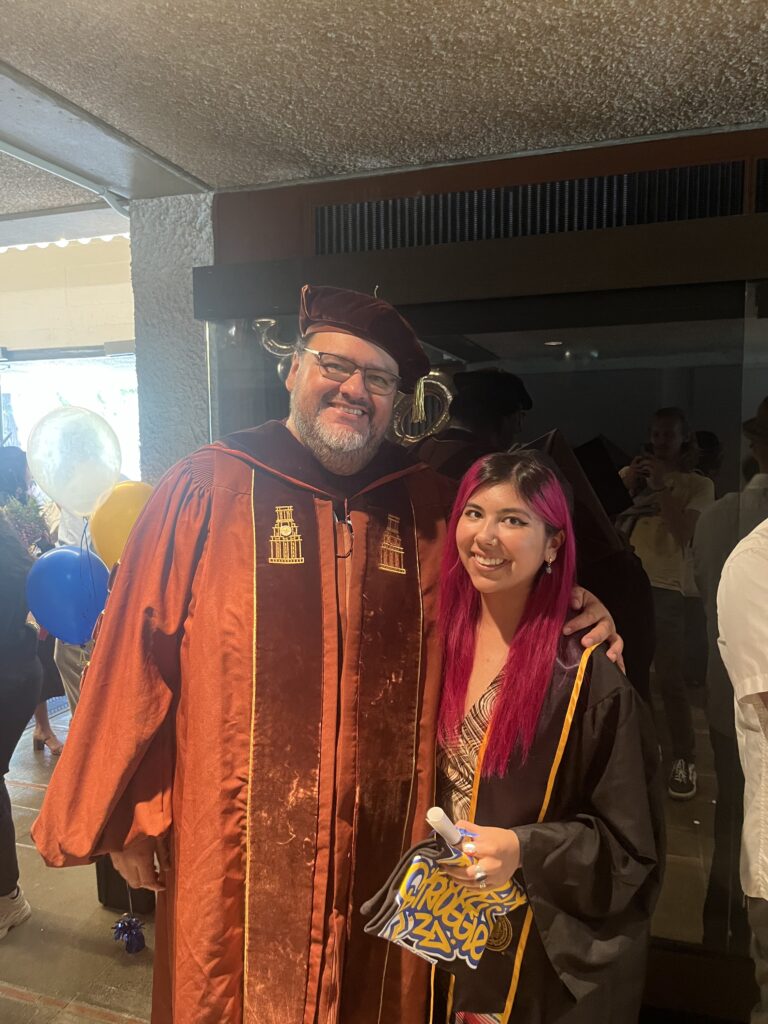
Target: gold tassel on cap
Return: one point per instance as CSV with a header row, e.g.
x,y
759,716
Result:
x,y
419,411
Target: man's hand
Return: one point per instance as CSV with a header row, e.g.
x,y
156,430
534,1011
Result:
x,y
653,471
143,863
595,617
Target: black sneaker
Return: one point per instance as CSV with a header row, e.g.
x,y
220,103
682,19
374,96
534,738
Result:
x,y
682,780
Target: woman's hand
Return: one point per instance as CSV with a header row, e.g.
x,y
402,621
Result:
x,y
496,853
595,617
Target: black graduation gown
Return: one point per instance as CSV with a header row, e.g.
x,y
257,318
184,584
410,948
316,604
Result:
x,y
587,808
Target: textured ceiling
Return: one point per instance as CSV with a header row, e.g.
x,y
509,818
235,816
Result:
x,y
242,92
24,188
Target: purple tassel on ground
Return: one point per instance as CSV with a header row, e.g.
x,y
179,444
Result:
x,y
129,930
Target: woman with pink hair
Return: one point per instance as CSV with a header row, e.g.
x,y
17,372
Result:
x,y
547,757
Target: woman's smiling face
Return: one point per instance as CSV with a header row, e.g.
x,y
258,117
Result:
x,y
501,542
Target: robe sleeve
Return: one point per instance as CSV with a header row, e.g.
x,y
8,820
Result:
x,y
112,785
592,880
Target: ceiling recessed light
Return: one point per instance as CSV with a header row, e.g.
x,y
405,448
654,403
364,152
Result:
x,y
552,344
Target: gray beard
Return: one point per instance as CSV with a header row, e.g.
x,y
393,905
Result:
x,y
340,451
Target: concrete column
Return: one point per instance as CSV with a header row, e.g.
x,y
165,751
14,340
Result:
x,y
169,236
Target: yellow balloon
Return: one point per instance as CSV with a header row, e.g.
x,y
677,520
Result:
x,y
114,516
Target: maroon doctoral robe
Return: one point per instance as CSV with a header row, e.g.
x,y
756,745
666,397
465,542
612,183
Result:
x,y
264,686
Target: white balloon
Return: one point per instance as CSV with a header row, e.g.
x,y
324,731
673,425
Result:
x,y
74,455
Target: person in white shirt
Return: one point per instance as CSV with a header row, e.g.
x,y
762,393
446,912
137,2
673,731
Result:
x,y
718,531
71,659
742,607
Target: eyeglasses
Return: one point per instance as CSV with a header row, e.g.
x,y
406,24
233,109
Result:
x,y
377,382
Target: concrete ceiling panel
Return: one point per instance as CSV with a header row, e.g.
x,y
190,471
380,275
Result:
x,y
24,188
49,127
240,93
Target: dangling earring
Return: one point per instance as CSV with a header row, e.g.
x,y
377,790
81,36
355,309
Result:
x,y
548,567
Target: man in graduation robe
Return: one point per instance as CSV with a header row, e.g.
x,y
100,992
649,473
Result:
x,y
259,714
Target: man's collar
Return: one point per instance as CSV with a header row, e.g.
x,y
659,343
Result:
x,y
273,447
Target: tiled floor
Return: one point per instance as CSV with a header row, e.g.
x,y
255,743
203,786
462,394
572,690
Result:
x,y
690,825
63,966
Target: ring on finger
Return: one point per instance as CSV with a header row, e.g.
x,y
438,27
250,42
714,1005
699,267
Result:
x,y
480,876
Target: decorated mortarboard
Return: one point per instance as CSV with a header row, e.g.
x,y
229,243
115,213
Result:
x,y
431,914
325,309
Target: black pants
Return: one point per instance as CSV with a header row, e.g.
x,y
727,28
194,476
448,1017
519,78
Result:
x,y
668,661
725,916
757,910
19,695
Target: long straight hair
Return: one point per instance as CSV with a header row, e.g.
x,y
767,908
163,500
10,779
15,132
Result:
x,y
528,669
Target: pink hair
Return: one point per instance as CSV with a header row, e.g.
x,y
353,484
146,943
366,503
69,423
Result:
x,y
532,653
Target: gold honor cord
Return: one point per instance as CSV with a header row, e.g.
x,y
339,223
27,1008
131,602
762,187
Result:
x,y
246,943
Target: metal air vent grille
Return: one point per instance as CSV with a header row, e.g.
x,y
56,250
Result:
x,y
544,208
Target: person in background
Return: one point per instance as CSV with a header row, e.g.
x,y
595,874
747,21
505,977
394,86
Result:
x,y
749,466
24,513
710,459
487,414
21,678
711,454
548,757
67,528
668,499
742,600
718,531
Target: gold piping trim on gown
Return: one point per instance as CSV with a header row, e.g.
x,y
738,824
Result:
x,y
414,757
246,957
564,734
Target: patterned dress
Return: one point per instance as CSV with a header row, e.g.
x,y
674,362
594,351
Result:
x,y
456,764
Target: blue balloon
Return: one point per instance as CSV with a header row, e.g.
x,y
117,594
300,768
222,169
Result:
x,y
67,591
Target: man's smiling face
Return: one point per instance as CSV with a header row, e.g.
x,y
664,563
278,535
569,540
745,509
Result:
x,y
341,423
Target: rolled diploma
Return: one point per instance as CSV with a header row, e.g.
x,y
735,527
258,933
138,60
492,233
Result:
x,y
442,824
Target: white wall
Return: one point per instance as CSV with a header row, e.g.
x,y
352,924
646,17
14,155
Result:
x,y
169,237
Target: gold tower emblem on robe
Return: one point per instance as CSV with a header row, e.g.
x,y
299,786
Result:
x,y
391,553
285,542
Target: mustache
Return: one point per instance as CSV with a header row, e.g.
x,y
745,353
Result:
x,y
354,404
